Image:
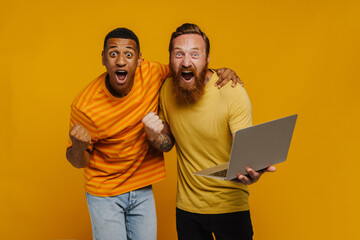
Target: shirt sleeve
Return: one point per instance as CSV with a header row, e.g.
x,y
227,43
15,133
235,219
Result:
x,y
161,105
164,100
240,111
164,70
83,120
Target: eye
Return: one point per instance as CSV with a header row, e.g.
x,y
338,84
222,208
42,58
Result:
x,y
195,55
128,54
178,54
113,54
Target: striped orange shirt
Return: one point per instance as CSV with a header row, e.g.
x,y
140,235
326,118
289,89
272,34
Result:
x,y
121,159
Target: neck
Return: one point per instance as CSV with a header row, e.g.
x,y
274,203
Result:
x,y
112,90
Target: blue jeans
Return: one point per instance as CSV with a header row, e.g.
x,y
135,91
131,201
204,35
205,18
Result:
x,y
126,216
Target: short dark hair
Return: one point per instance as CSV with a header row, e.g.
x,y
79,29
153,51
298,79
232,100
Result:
x,y
188,28
122,33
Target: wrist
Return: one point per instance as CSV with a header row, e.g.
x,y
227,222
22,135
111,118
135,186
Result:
x,y
79,149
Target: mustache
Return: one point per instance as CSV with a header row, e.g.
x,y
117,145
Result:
x,y
188,94
191,69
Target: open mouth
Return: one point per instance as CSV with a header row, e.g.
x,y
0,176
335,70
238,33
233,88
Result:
x,y
121,75
187,75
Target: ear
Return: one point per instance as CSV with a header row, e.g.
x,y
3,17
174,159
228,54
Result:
x,y
103,58
208,59
139,60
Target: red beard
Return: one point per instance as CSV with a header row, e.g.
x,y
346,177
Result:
x,y
185,93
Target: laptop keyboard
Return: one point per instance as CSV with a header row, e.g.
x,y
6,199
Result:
x,y
221,173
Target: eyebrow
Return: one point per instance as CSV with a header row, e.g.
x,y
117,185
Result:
x,y
115,46
178,48
129,47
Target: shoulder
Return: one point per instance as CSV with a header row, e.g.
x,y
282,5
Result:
x,y
167,85
154,70
237,93
88,93
227,91
152,64
235,98
166,91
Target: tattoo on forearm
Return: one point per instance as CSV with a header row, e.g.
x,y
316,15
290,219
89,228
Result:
x,y
165,145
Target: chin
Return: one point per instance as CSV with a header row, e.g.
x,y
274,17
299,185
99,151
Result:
x,y
187,85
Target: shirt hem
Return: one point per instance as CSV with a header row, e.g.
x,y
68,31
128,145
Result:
x,y
112,194
215,211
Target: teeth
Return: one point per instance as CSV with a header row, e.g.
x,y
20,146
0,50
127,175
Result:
x,y
121,71
186,71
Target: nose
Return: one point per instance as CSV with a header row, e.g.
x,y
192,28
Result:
x,y
120,61
186,62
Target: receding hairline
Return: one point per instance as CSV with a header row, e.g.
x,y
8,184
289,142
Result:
x,y
174,47
189,28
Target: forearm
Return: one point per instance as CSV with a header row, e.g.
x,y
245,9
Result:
x,y
78,158
163,142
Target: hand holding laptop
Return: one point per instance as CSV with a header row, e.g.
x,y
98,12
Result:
x,y
252,176
254,151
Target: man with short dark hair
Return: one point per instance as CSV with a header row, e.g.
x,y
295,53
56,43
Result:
x,y
202,120
108,140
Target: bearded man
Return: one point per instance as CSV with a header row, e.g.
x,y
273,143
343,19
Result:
x,y
107,139
202,121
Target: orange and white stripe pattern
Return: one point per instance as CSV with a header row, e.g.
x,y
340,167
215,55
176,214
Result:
x,y
121,159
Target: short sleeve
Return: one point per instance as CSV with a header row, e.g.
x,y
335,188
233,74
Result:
x,y
240,112
164,70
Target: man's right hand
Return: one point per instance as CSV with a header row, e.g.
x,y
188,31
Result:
x,y
80,137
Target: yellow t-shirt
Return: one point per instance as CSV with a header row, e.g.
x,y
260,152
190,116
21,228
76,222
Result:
x,y
203,138
121,159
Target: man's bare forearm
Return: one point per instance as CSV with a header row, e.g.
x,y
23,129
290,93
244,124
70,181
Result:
x,y
77,154
78,158
163,142
158,132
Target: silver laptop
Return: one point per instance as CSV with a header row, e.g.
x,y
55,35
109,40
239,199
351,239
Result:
x,y
257,147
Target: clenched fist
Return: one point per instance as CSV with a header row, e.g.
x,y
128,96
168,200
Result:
x,y
152,125
80,137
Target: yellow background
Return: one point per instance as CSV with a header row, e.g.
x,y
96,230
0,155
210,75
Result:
x,y
294,56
